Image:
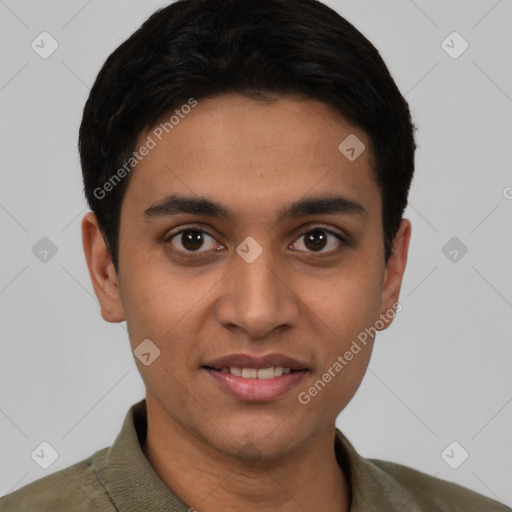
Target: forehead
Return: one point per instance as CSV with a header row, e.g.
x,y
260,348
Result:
x,y
253,155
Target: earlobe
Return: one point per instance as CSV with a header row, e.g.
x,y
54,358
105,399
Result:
x,y
394,273
101,270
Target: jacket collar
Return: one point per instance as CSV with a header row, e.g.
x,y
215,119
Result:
x,y
134,485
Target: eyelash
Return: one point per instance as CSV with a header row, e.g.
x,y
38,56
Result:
x,y
191,254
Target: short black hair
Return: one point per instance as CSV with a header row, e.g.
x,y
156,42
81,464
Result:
x,y
254,48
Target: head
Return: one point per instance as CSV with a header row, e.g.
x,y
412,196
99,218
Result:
x,y
247,164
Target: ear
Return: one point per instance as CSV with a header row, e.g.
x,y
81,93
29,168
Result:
x,y
101,269
395,269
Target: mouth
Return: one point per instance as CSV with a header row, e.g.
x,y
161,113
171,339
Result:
x,y
253,379
248,363
255,373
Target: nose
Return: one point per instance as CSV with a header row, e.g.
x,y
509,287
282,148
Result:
x,y
258,297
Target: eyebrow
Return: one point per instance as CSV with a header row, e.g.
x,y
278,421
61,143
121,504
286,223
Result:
x,y
175,204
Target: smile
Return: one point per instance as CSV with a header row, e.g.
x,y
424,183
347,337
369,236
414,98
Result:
x,y
256,385
256,373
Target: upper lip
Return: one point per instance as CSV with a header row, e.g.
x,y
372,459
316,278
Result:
x,y
247,361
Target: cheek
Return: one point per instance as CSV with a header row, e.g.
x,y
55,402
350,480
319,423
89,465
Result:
x,y
165,309
158,300
348,308
349,303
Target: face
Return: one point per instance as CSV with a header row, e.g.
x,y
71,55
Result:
x,y
276,259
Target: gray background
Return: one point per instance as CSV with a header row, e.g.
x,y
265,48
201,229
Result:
x,y
440,374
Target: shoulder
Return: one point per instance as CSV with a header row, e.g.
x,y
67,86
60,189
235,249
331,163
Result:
x,y
73,488
383,485
423,492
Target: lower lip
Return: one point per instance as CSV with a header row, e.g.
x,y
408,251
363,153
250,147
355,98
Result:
x,y
257,390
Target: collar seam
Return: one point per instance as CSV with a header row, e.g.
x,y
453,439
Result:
x,y
105,489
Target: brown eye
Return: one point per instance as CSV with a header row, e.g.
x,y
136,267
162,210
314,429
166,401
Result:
x,y
315,240
192,240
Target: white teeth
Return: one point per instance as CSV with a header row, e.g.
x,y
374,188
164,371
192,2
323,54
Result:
x,y
266,373
249,373
253,373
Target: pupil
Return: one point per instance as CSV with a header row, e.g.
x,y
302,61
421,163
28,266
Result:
x,y
316,240
192,240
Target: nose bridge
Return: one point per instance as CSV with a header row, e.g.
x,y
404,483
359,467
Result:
x,y
258,284
257,300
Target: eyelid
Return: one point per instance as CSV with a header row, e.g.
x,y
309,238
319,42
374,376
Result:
x,y
194,227
342,237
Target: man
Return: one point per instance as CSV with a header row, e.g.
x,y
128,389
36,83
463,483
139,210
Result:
x,y
247,164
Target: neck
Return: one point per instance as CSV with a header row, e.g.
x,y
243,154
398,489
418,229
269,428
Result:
x,y
308,478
